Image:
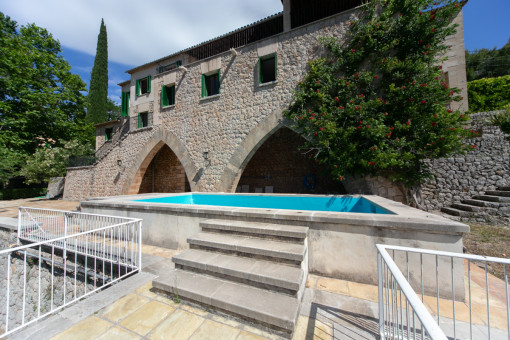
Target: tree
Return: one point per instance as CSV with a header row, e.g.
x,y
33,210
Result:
x,y
376,103
113,110
39,96
486,63
97,101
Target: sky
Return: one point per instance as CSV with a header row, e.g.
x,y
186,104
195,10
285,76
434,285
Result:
x,y
140,32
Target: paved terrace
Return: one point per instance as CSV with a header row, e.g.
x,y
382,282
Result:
x,y
331,309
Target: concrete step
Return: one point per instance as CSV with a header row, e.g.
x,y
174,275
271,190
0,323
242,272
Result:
x,y
456,212
498,193
262,273
256,228
492,198
504,188
263,306
249,246
466,207
481,203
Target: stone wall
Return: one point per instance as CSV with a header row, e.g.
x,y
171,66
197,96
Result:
x,y
483,168
78,183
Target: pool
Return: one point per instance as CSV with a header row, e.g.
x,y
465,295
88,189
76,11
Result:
x,y
351,204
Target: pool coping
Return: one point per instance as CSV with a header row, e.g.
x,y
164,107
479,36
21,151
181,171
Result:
x,y
405,217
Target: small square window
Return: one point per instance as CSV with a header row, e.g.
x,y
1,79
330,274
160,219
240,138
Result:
x,y
167,95
143,85
108,134
143,119
211,84
267,68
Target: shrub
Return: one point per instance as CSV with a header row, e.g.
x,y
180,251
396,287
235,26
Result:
x,y
489,94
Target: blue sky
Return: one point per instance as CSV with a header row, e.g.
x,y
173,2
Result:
x,y
141,33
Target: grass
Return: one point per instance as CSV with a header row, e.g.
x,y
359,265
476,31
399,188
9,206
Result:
x,y
489,240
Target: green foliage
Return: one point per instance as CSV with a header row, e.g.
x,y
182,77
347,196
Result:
x,y
376,104
97,103
489,94
485,63
17,193
51,161
112,109
502,120
39,96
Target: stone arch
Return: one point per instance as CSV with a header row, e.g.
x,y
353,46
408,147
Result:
x,y
161,138
253,141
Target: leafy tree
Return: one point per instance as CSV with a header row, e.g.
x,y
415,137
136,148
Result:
x,y
376,103
486,63
97,101
113,110
489,94
39,96
51,161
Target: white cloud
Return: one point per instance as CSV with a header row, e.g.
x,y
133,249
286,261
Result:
x,y
138,32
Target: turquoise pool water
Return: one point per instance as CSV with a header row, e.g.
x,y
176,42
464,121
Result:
x,y
319,203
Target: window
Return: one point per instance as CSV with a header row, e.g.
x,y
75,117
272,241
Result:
x,y
167,95
143,85
124,107
143,119
267,68
108,134
211,84
170,66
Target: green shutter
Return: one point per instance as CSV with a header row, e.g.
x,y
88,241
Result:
x,y
178,63
125,104
275,66
219,82
172,96
148,84
204,88
105,136
137,87
260,70
164,97
139,121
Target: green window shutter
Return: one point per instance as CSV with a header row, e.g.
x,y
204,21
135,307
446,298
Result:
x,y
178,63
204,88
148,84
164,97
139,121
137,87
122,103
105,136
260,70
172,95
275,66
124,110
219,82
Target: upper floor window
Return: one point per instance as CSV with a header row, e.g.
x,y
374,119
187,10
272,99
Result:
x,y
143,85
167,95
124,106
170,66
267,68
211,84
143,119
108,134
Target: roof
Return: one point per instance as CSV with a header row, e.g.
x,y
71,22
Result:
x,y
110,122
203,43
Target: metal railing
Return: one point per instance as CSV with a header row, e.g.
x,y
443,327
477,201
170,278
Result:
x,y
72,256
457,296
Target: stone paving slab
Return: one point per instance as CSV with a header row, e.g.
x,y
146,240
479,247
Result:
x,y
257,228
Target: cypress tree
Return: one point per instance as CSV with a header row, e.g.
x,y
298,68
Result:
x,y
98,88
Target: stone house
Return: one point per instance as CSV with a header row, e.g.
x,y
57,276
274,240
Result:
x,y
209,118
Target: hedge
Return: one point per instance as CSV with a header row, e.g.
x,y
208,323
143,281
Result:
x,y
489,94
16,193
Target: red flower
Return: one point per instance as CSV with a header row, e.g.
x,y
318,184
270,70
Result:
x,y
361,96
432,17
449,111
403,87
351,23
323,114
357,108
435,116
461,116
340,178
359,127
360,122
434,30
353,50
420,42
347,83
373,148
368,126
392,128
299,117
336,166
474,146
376,77
424,85
315,133
322,129
440,67
386,113
336,99
452,93
408,123
317,82
388,135
357,74
371,163
423,101
341,107
410,100
309,110
317,91
311,118
434,123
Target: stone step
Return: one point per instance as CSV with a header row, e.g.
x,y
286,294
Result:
x,y
249,246
482,203
466,207
256,228
498,193
491,198
456,212
257,304
247,270
504,188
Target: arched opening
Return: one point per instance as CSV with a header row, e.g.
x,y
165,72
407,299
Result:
x,y
279,165
165,173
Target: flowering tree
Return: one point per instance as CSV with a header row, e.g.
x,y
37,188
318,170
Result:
x,y
377,103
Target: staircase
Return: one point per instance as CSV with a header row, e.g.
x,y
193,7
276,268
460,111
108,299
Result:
x,y
495,203
253,270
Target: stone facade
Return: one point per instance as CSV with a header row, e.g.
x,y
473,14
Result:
x,y
486,167
215,137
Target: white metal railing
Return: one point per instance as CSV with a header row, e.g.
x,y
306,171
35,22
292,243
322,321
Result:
x,y
70,256
457,297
